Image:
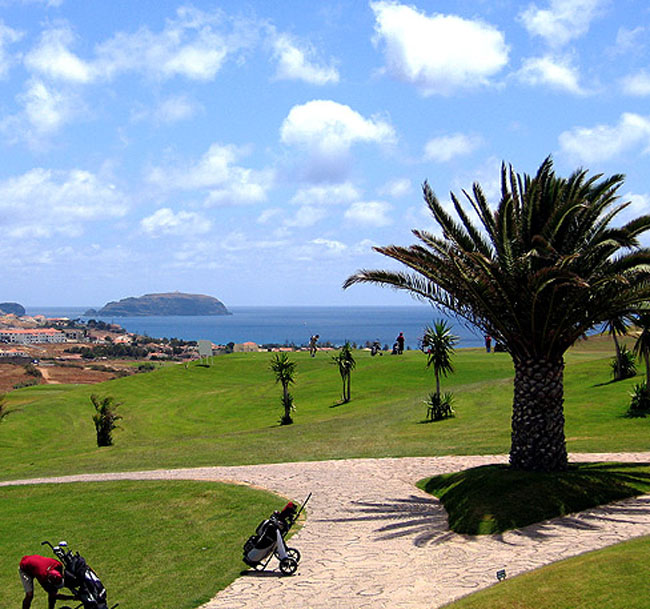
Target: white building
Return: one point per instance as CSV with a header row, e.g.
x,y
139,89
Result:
x,y
30,336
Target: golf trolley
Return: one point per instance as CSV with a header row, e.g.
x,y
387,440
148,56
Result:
x,y
80,579
268,541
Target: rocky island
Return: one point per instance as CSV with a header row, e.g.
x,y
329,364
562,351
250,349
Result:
x,y
12,308
170,303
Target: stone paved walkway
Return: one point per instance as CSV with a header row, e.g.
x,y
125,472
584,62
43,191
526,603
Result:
x,y
372,540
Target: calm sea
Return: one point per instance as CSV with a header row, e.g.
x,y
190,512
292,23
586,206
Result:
x,y
286,324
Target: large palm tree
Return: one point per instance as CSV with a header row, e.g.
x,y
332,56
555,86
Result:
x,y
439,343
539,271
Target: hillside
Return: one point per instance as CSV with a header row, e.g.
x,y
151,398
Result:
x,y
170,303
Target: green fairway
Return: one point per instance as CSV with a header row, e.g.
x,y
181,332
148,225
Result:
x,y
228,414
612,578
153,544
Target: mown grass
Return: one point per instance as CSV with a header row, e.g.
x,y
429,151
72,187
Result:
x,y
228,414
495,498
613,578
153,544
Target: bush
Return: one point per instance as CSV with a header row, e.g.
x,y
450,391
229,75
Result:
x,y
439,407
27,383
640,403
627,368
146,367
105,418
33,370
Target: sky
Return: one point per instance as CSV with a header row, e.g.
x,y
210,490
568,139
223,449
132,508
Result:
x,y
256,151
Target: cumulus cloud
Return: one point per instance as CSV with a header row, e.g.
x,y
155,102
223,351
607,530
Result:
x,y
331,128
369,213
604,142
43,202
447,147
562,21
296,63
52,58
558,73
306,215
329,194
7,36
330,246
439,54
183,223
193,46
396,188
174,109
216,173
637,84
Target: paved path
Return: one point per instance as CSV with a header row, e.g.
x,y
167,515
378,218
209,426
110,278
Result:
x,y
374,541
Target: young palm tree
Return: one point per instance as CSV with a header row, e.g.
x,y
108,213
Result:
x,y
439,343
285,374
105,418
642,344
346,364
615,327
4,410
543,267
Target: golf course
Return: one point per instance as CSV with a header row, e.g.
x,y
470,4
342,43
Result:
x,y
177,543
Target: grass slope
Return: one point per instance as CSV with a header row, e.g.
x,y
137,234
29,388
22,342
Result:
x,y
494,498
228,413
153,544
612,578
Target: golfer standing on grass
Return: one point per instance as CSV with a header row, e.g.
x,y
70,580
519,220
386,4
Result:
x,y
48,572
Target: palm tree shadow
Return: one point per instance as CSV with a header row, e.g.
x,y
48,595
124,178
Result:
x,y
339,403
422,518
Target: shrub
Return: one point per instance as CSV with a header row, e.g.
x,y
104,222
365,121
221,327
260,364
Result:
x,y
439,406
627,368
640,403
27,383
33,370
105,418
146,367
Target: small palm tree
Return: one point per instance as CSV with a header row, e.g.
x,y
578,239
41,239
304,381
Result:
x,y
439,343
642,345
615,327
346,364
285,373
105,418
5,411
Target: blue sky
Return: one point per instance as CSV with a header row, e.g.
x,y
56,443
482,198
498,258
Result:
x,y
256,151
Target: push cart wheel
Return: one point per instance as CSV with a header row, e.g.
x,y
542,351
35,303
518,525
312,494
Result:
x,y
288,566
293,553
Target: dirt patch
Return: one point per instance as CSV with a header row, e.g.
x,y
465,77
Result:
x,y
13,374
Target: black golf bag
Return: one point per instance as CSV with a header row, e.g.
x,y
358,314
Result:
x,y
80,579
268,541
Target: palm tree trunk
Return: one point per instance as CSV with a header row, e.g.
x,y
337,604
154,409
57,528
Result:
x,y
646,357
538,442
618,376
437,384
349,376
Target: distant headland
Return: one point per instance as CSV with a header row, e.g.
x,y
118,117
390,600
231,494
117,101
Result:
x,y
169,303
12,308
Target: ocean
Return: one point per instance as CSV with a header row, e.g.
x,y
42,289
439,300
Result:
x,y
287,325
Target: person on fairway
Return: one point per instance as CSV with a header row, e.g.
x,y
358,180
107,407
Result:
x,y
48,572
312,345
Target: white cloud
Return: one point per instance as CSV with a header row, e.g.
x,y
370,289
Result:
x,y
174,109
630,40
331,128
555,72
438,54
183,223
331,246
268,214
447,147
192,46
306,216
639,203
53,59
295,63
396,188
604,142
369,213
330,194
43,202
562,21
7,36
216,172
637,84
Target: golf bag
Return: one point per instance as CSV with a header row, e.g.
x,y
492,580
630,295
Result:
x,y
80,579
268,541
